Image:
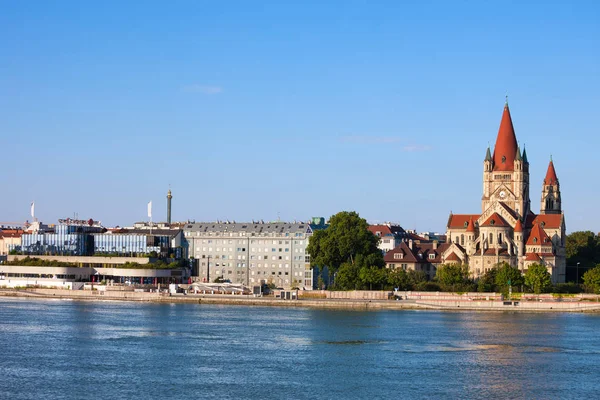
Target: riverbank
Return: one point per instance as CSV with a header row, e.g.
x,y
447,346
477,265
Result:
x,y
349,304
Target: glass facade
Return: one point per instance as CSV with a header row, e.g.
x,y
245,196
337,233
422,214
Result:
x,y
84,240
123,244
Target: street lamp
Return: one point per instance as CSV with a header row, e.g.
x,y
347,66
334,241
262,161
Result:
x,y
578,273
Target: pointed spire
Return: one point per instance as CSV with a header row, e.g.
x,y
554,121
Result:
x,y
551,178
518,156
519,226
471,226
488,155
505,149
525,154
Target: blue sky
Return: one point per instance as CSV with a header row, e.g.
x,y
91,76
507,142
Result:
x,y
254,110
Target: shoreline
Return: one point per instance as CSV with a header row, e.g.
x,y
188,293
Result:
x,y
340,304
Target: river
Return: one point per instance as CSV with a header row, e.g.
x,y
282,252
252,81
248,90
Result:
x,y
58,349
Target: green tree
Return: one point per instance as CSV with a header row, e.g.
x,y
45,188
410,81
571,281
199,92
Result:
x,y
398,278
505,274
417,279
591,280
453,277
538,279
347,277
583,247
347,239
487,282
373,275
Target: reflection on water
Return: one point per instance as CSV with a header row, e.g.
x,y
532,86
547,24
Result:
x,y
61,349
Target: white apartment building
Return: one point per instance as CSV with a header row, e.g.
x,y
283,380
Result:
x,y
251,253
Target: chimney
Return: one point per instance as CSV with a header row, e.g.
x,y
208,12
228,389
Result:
x,y
435,243
410,244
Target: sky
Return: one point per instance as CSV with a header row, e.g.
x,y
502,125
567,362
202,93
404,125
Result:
x,y
254,110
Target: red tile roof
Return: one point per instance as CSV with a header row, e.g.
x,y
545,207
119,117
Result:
x,y
532,257
385,230
537,236
402,248
505,149
413,236
492,252
11,233
495,220
551,178
553,221
457,221
519,226
412,256
471,226
452,257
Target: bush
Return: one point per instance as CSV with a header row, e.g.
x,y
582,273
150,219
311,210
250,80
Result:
x,y
428,287
567,288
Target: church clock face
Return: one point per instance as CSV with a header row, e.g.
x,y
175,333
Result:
x,y
502,194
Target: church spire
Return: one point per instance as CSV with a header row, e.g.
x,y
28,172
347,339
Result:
x,y
505,149
518,155
525,154
488,155
551,178
551,201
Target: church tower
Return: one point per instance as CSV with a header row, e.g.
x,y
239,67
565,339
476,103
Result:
x,y
506,171
551,203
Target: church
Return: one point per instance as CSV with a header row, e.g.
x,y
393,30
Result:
x,y
507,230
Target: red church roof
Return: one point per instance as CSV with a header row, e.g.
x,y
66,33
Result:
x,y
452,257
471,227
505,149
495,220
551,178
518,226
459,220
538,236
552,221
532,257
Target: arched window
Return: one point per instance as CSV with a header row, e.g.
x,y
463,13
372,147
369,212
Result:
x,y
462,240
491,238
499,238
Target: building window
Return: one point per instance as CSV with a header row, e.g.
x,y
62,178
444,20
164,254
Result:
x,y
462,240
491,238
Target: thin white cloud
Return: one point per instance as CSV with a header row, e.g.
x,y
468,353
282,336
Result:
x,y
417,147
205,89
370,139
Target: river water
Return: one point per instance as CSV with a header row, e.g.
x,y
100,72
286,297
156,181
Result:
x,y
57,349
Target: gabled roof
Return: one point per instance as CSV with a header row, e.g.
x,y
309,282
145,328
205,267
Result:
x,y
452,257
402,248
415,237
495,220
537,236
492,252
509,210
386,230
458,221
505,149
532,257
412,256
551,178
547,221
